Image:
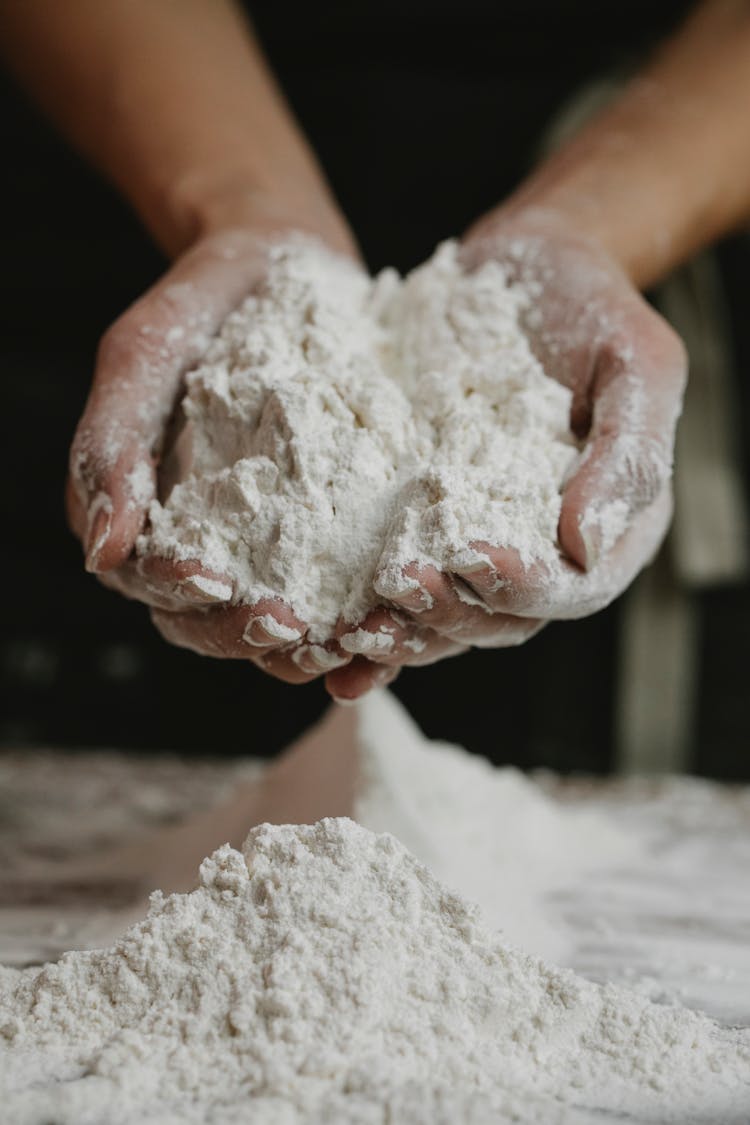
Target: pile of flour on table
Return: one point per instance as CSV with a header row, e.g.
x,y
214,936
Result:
x,y
324,975
343,427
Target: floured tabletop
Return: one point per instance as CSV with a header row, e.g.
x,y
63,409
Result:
x,y
674,921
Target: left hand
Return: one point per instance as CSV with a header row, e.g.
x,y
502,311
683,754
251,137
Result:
x,y
626,369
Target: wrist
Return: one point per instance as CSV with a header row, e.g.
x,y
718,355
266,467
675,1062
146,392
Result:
x,y
198,205
520,226
603,213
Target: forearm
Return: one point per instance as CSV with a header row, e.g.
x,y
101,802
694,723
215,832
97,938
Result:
x,y
172,100
666,169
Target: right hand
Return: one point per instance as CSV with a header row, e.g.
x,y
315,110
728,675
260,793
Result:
x,y
115,460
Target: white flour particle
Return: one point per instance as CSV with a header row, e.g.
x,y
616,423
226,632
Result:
x,y
140,485
326,976
364,641
343,427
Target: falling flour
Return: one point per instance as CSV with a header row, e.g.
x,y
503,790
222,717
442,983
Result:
x,y
324,976
469,822
342,427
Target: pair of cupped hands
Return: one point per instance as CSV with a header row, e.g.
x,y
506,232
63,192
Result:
x,y
588,326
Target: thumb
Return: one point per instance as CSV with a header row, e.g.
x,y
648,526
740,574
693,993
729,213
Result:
x,y
139,371
627,459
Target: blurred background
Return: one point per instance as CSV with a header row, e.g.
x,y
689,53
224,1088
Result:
x,y
423,117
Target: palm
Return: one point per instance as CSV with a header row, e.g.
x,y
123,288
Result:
x,y
625,367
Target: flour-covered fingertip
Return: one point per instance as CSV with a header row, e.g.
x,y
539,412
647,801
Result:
x,y
364,642
206,589
266,631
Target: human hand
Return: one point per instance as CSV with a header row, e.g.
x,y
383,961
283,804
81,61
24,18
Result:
x,y
625,367
116,455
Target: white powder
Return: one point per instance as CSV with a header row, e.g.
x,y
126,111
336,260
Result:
x,y
343,427
324,975
489,833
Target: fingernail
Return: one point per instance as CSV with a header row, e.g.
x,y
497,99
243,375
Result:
x,y
476,567
410,586
415,598
591,546
424,598
207,589
99,525
316,658
266,630
327,660
341,702
465,594
362,642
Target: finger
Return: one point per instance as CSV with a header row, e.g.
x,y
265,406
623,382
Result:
x,y
317,659
360,676
384,636
188,581
75,510
450,606
378,634
128,581
627,460
281,664
504,582
139,371
564,590
231,632
392,638
167,584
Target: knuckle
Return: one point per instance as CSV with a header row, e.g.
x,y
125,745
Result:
x,y
663,352
115,348
636,469
137,341
649,471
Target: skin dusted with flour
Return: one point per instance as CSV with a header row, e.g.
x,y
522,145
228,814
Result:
x,y
348,436
344,429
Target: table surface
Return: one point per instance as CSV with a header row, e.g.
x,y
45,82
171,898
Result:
x,y
675,923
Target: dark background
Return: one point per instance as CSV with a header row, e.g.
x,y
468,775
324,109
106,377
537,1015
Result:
x,y
424,116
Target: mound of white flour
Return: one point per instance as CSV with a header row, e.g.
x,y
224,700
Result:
x,y
343,427
324,975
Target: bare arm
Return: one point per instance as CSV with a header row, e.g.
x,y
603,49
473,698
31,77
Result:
x,y
172,100
666,169
662,172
